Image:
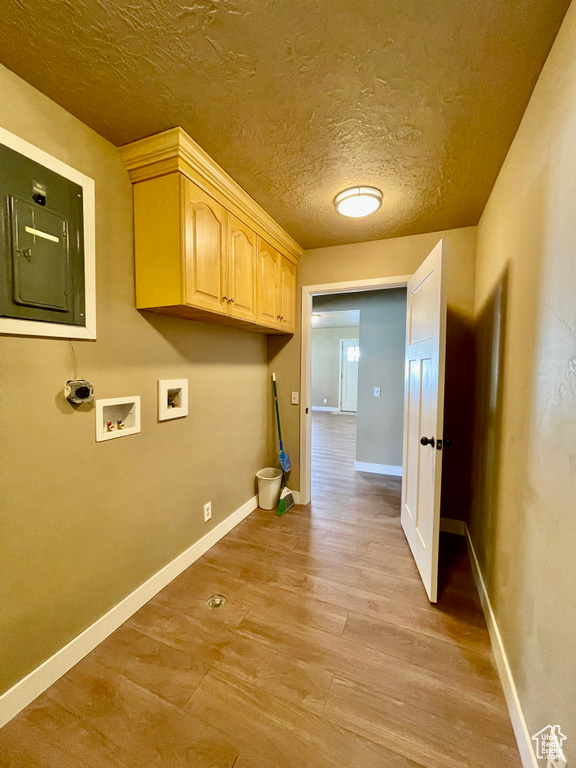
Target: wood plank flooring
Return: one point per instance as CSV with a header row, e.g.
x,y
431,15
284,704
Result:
x,y
327,652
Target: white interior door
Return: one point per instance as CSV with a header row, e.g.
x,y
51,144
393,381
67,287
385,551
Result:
x,y
349,356
423,416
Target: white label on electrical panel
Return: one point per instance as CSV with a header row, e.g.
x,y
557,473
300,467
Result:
x,y
45,235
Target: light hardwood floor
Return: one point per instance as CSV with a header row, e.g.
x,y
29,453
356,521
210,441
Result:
x,y
327,652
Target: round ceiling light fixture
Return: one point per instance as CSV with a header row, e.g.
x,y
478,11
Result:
x,y
358,201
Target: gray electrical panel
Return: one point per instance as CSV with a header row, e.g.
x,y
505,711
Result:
x,y
41,243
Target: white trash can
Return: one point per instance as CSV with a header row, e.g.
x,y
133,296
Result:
x,y
269,482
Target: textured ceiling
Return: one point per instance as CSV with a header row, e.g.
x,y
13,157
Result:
x,y
345,318
298,100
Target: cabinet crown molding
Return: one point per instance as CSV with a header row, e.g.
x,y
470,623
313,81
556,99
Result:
x,y
173,150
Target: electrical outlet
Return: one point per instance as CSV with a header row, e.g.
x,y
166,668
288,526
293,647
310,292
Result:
x,y
294,398
207,511
376,391
325,401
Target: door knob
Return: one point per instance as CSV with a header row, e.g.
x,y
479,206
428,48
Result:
x,y
427,441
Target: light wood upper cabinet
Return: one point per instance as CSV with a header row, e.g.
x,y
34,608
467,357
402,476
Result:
x,y
268,284
204,250
159,250
287,294
276,289
241,270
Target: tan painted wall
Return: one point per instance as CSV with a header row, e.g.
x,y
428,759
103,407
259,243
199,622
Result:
x,y
385,258
326,363
524,514
83,524
382,339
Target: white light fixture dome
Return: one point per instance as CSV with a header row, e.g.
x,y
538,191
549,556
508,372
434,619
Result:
x,y
358,201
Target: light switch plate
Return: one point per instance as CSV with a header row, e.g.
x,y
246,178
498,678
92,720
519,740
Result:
x,y
376,391
294,398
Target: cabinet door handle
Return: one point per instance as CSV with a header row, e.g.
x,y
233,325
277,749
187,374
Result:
x,y
427,441
225,298
231,301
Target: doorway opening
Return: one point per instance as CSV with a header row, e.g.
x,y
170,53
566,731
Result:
x,y
423,418
349,359
335,358
357,343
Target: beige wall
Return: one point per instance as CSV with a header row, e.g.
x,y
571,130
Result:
x,y
382,339
326,363
82,524
524,514
386,258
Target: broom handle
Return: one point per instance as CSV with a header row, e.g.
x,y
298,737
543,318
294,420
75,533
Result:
x,y
277,411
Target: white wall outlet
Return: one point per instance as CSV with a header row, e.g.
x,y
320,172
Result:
x,y
294,398
207,511
376,391
325,401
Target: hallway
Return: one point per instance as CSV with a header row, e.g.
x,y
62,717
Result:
x,y
326,653
333,454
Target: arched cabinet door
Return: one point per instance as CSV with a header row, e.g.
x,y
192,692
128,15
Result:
x,y
204,250
287,295
268,282
241,270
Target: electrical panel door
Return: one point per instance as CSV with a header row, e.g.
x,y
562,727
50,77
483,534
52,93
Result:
x,y
41,243
39,256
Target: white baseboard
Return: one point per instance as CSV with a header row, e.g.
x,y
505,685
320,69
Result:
x,y
324,407
20,695
378,469
521,732
449,525
511,694
296,495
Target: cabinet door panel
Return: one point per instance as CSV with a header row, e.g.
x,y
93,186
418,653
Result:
x,y
268,285
287,295
241,270
204,224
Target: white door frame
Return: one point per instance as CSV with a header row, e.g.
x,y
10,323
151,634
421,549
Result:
x,y
308,292
341,371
